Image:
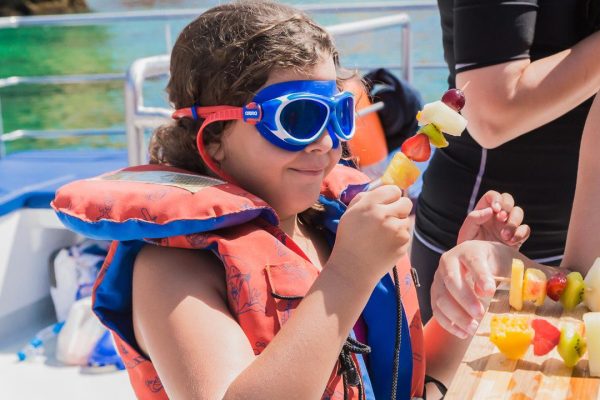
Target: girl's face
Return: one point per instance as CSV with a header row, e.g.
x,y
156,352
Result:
x,y
289,181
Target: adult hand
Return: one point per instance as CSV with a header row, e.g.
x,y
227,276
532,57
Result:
x,y
464,283
373,234
495,218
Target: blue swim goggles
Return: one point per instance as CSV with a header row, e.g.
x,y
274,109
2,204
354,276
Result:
x,y
290,115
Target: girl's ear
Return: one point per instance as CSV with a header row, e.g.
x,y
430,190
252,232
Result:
x,y
215,150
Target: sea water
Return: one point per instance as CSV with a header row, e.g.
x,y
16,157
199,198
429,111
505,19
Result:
x,y
111,48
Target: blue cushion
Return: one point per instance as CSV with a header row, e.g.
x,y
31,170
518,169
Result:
x,y
30,179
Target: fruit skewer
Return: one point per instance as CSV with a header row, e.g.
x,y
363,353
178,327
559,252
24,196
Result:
x,y
513,334
437,117
570,289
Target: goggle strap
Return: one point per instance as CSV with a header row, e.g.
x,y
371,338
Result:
x,y
221,115
225,112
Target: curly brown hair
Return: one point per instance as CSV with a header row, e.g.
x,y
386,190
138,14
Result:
x,y
223,58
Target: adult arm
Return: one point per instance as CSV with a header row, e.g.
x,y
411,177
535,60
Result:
x,y
583,239
444,352
510,95
464,282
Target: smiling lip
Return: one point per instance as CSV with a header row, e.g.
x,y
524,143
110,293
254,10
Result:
x,y
310,172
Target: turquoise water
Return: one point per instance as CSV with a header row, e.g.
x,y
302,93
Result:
x,y
113,47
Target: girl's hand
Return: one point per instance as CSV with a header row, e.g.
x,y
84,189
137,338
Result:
x,y
373,234
497,219
464,284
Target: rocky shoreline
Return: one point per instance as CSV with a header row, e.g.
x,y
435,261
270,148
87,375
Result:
x,y
41,7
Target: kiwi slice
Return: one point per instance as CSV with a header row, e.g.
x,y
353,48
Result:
x,y
436,137
571,345
574,291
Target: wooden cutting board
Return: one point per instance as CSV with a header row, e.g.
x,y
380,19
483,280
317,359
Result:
x,y
485,374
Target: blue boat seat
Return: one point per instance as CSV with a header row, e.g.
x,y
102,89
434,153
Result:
x,y
30,179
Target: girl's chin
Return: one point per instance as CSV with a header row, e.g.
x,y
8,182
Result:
x,y
297,206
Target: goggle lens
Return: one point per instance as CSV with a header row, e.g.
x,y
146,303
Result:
x,y
344,113
304,119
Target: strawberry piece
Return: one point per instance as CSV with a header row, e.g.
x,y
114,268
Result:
x,y
417,148
556,285
546,336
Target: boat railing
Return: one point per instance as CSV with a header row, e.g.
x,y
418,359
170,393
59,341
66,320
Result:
x,y
145,117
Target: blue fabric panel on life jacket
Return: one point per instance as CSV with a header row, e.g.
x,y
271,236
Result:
x,y
135,229
112,304
334,209
380,316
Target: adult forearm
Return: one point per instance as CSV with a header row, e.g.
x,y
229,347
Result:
x,y
508,100
299,360
444,351
583,241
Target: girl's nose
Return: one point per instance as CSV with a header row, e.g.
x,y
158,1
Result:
x,y
323,144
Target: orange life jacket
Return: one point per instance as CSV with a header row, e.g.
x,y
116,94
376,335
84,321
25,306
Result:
x,y
170,207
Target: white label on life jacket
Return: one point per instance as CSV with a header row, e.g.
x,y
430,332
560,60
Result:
x,y
189,182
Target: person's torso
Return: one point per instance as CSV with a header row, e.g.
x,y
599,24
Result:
x,y
538,168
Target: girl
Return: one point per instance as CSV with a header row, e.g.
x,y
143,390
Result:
x,y
267,312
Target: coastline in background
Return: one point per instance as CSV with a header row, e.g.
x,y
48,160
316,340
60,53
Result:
x,y
113,47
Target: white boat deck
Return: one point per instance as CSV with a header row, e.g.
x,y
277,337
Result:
x,y
45,378
28,238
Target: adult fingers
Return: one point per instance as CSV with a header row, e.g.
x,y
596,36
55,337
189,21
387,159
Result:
x,y
521,235
447,324
475,263
451,309
507,203
491,198
515,218
455,280
472,224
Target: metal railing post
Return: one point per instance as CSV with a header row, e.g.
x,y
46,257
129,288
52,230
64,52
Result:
x,y
407,67
137,116
2,148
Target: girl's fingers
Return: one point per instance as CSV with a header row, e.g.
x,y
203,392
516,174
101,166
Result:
x,y
399,208
386,194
